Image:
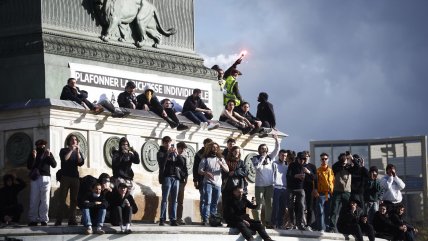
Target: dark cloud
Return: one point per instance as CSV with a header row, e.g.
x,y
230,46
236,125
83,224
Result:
x,y
357,69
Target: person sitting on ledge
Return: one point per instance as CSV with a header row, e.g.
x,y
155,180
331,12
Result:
x,y
232,117
149,102
168,106
196,111
93,207
73,93
10,209
122,205
108,105
236,216
127,98
265,112
244,111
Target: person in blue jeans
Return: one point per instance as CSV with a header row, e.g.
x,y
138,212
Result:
x,y
170,169
210,167
93,208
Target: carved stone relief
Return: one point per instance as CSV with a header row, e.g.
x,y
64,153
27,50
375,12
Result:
x,y
110,145
83,144
250,167
148,155
189,153
18,148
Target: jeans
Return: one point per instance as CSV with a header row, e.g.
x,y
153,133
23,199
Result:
x,y
279,204
264,196
170,185
39,199
99,214
180,200
322,212
195,116
370,209
211,197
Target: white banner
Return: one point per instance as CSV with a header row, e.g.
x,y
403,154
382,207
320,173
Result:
x,y
106,82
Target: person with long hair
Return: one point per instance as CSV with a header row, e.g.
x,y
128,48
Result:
x,y
210,167
237,171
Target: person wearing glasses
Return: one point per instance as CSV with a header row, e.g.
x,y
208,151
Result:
x,y
296,174
264,181
323,192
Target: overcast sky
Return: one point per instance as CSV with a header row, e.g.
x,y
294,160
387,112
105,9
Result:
x,y
333,69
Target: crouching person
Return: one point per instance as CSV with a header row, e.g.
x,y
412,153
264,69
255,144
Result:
x,y
236,216
352,221
93,208
122,207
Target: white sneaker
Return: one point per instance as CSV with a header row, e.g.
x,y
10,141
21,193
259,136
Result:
x,y
213,126
204,125
88,230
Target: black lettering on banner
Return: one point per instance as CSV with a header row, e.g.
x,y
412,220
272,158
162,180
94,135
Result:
x,y
118,83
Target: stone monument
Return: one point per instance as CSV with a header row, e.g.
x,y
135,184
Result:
x,y
103,44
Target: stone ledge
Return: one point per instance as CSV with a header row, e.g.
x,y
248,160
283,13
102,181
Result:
x,y
153,230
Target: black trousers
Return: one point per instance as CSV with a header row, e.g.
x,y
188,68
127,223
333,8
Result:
x,y
254,226
121,215
358,230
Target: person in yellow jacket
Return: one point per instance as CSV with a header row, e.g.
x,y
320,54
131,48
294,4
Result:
x,y
323,192
232,89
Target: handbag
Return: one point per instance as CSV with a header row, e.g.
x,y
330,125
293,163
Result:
x,y
34,174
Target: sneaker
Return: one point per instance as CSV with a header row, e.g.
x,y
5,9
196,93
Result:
x,y
173,223
161,223
182,127
203,125
180,222
308,228
128,231
117,114
302,228
100,231
58,223
98,109
268,226
213,126
88,230
44,223
205,223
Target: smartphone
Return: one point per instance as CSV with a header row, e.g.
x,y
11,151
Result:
x,y
172,145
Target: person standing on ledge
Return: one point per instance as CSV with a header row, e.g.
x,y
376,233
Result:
x,y
196,111
71,158
73,93
42,160
127,98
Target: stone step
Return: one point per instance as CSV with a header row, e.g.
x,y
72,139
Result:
x,y
153,232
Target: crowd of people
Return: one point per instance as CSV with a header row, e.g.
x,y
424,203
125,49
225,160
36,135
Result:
x,y
344,197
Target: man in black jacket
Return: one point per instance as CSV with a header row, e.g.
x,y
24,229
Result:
x,y
196,111
309,184
149,102
73,93
296,174
171,170
352,221
127,98
265,112
197,178
94,205
236,216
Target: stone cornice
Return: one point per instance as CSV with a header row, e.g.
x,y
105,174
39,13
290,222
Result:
x,y
145,58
